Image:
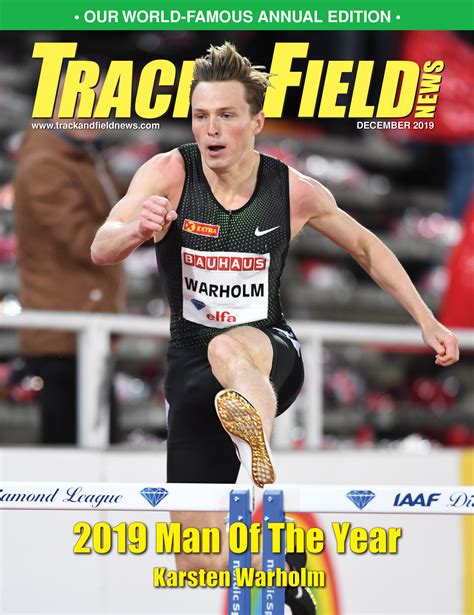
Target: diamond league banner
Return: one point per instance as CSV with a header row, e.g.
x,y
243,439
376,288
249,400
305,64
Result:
x,y
134,496
105,496
382,82
381,499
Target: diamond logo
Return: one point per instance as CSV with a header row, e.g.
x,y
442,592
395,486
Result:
x,y
360,497
154,495
198,304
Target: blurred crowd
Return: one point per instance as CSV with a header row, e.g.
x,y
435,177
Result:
x,y
414,188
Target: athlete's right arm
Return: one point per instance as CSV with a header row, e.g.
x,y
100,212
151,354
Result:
x,y
146,211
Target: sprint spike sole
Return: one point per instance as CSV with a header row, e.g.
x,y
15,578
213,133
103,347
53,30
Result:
x,y
243,423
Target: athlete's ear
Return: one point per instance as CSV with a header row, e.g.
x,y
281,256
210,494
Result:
x,y
258,122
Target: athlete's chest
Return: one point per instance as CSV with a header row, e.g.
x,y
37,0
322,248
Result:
x,y
226,259
252,228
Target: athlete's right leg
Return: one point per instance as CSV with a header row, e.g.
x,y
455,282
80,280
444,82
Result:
x,y
200,520
199,450
205,460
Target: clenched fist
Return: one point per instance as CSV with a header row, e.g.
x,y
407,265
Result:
x,y
156,216
443,342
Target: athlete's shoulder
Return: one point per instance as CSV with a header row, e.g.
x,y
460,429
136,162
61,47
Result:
x,y
308,197
305,189
167,163
162,175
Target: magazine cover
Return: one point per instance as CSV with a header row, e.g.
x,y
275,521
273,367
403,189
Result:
x,y
236,308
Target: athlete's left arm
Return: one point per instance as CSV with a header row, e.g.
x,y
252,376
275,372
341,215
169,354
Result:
x,y
314,205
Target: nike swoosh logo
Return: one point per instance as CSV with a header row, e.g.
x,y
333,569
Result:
x,y
259,233
299,593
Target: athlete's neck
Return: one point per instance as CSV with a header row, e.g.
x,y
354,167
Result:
x,y
234,186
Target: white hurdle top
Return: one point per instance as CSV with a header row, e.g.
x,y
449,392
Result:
x,y
398,499
426,499
115,496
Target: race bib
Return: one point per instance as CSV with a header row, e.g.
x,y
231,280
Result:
x,y
221,289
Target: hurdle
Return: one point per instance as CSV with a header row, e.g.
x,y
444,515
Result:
x,y
142,497
239,501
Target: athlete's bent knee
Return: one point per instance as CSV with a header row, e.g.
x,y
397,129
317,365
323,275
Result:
x,y
222,349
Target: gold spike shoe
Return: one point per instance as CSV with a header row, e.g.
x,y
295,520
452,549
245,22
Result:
x,y
244,425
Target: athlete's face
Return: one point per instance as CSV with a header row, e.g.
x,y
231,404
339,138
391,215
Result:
x,y
223,125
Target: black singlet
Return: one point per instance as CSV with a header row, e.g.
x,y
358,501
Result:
x,y
222,268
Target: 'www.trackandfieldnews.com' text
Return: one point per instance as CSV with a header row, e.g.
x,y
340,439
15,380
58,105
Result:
x,y
95,125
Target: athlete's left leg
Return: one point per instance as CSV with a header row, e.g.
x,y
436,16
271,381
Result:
x,y
241,359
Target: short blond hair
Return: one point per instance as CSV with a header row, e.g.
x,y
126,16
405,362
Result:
x,y
224,63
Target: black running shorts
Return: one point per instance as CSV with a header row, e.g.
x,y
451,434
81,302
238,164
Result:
x,y
199,450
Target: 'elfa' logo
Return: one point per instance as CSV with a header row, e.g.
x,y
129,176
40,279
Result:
x,y
222,317
198,228
418,500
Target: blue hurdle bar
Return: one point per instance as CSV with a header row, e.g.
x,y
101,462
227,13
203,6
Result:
x,y
239,512
273,598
